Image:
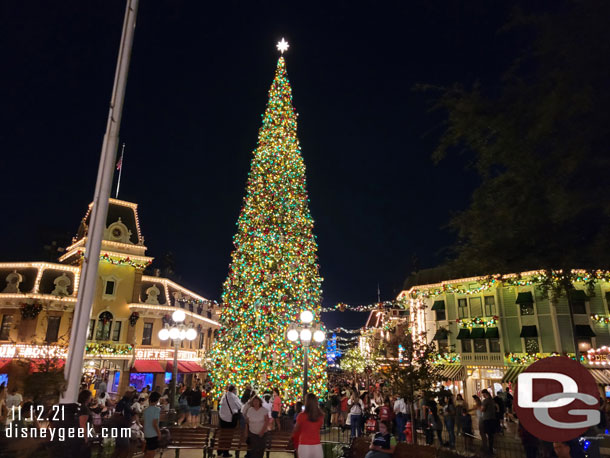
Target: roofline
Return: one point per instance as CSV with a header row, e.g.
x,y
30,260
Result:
x,y
479,278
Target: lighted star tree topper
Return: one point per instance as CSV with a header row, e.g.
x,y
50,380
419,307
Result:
x,y
273,275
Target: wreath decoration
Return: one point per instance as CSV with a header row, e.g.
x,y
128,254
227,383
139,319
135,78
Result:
x,y
30,311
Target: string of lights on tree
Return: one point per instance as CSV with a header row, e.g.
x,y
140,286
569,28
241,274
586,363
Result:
x,y
537,278
274,274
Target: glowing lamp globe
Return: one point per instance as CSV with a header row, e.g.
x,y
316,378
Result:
x,y
191,334
182,334
174,333
306,316
164,334
319,336
305,335
178,316
292,335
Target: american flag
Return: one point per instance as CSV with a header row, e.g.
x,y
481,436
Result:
x,y
119,163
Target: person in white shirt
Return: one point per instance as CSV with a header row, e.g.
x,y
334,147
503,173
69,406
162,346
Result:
x,y
267,403
14,399
257,423
230,406
355,414
400,409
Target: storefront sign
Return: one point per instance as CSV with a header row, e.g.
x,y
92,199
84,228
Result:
x,y
165,354
33,351
599,356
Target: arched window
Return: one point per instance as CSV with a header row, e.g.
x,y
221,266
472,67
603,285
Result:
x,y
104,325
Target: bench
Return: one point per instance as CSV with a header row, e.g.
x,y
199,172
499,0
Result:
x,y
230,439
188,438
279,441
360,447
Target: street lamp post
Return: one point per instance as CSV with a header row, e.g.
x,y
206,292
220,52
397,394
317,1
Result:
x,y
304,332
177,333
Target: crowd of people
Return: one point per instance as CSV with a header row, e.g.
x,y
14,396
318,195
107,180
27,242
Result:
x,y
355,406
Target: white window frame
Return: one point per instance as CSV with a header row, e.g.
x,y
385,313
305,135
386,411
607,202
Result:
x,y
105,281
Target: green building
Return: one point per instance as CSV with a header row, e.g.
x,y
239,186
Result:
x,y
489,328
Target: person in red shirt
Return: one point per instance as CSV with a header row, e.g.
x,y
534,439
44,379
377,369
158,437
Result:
x,y
385,412
306,434
344,409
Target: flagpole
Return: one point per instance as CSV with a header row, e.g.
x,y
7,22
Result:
x,y
73,369
118,183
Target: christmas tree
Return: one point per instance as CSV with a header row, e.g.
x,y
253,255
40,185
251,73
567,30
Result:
x,y
274,274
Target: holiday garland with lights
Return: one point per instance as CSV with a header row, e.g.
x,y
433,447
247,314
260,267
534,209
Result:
x,y
477,321
552,277
273,275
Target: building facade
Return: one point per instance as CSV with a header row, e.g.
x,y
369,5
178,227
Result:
x,y
37,302
488,329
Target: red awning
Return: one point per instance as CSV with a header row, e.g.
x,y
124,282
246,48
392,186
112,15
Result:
x,y
5,364
41,365
145,365
182,367
194,367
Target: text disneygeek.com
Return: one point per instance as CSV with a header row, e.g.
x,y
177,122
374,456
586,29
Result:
x,y
61,434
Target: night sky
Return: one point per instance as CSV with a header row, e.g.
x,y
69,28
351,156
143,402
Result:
x,y
197,87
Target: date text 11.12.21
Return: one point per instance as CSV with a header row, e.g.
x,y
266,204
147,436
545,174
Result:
x,y
38,412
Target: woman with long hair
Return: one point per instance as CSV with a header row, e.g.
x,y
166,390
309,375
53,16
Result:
x,y
306,434
478,409
355,413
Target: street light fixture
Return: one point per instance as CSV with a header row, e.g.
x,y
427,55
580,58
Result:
x,y
178,332
304,332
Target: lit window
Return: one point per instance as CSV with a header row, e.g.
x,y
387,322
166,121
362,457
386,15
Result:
x,y
584,343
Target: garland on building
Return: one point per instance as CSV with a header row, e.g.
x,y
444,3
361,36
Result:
x,y
477,321
603,319
548,278
119,261
345,331
30,311
107,349
133,318
525,359
446,358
